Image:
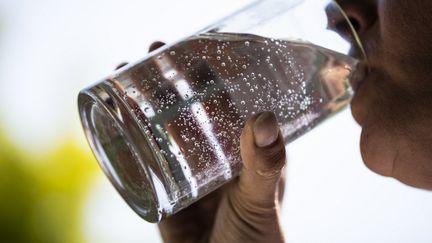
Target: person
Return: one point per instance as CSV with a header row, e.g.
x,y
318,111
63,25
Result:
x,y
393,105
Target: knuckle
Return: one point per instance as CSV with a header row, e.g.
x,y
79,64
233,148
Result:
x,y
252,213
273,159
276,152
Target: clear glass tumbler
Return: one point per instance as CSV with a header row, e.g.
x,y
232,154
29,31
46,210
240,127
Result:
x,y
166,129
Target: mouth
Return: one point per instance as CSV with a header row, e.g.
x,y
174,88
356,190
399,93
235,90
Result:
x,y
359,76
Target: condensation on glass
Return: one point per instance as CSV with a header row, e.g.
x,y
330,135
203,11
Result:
x,y
166,129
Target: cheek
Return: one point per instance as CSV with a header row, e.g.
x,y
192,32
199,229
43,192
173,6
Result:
x,y
405,34
407,19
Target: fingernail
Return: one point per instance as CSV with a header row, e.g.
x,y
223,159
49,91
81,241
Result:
x,y
266,129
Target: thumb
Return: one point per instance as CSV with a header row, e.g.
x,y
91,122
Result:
x,y
263,154
250,211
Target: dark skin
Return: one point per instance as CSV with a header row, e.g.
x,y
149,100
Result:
x,y
393,105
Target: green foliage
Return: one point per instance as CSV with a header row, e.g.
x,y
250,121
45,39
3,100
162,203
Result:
x,y
41,197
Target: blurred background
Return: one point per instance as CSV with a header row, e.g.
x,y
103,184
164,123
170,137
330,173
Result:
x,y
51,188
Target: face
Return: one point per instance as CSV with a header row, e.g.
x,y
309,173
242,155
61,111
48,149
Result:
x,y
393,104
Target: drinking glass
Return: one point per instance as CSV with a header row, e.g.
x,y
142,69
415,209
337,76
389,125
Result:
x,y
166,129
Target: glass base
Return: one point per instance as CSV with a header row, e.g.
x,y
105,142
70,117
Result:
x,y
120,146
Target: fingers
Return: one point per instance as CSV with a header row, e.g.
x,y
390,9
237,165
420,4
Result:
x,y
250,211
122,64
182,227
263,154
155,45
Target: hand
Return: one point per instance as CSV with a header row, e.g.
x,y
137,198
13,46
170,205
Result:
x,y
246,209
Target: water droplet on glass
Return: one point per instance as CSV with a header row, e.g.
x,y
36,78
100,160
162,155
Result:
x,y
172,53
223,64
159,111
242,102
247,43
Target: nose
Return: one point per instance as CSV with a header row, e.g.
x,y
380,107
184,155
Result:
x,y
362,14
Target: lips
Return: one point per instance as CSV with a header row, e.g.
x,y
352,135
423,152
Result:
x,y
359,75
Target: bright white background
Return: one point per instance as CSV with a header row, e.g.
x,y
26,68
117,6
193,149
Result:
x,y
50,49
